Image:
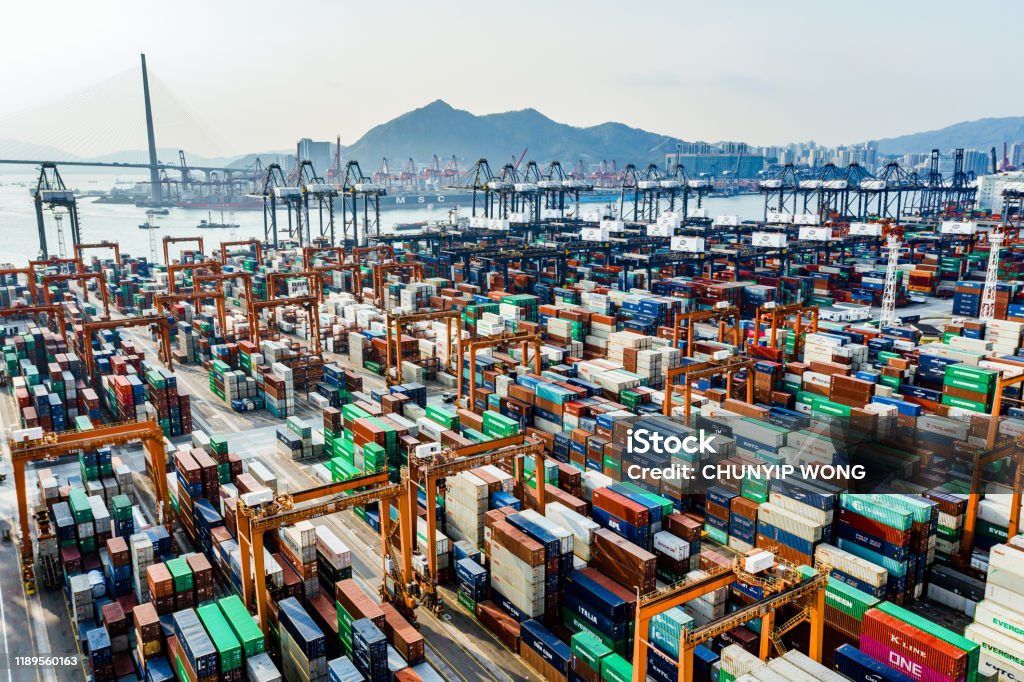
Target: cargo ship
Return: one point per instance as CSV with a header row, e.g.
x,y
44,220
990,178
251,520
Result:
x,y
388,202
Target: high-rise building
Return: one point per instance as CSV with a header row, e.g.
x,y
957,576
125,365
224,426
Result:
x,y
321,154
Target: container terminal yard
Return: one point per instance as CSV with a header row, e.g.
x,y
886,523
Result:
x,y
351,451
406,457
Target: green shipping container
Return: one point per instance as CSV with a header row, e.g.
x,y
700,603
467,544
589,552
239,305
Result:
x,y
973,374
466,602
589,648
615,668
243,625
229,651
972,405
181,574
848,600
577,624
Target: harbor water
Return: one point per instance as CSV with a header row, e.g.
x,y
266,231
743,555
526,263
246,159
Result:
x,y
120,222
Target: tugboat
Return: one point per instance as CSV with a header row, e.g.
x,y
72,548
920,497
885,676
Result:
x,y
149,224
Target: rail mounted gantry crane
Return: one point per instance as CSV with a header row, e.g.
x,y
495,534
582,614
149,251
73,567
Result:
x,y
159,321
162,302
471,346
180,240
103,245
775,317
396,324
203,266
54,262
81,278
53,446
704,370
386,249
1013,449
254,243
314,285
290,508
308,303
380,273
311,253
794,588
30,280
429,472
685,322
55,310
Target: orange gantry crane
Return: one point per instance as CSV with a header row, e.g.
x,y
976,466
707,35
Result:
x,y
163,301
799,588
53,262
55,445
103,245
308,303
30,279
395,326
471,346
204,266
81,278
198,241
429,470
284,510
310,253
360,251
255,243
380,273
1012,448
805,318
56,310
704,370
685,322
357,277
314,282
89,328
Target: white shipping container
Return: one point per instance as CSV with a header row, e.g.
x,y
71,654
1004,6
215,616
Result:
x,y
851,565
580,526
1000,618
816,234
564,535
260,668
776,516
687,244
819,516
1000,654
808,664
334,550
790,671
671,546
755,563
768,239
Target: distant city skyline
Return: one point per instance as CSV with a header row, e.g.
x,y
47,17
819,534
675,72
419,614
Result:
x,y
259,75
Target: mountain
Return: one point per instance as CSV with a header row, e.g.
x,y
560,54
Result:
x,y
981,134
438,128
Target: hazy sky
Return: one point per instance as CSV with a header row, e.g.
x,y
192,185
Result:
x,y
257,75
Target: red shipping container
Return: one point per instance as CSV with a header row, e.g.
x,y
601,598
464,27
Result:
x,y
629,511
912,643
898,661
